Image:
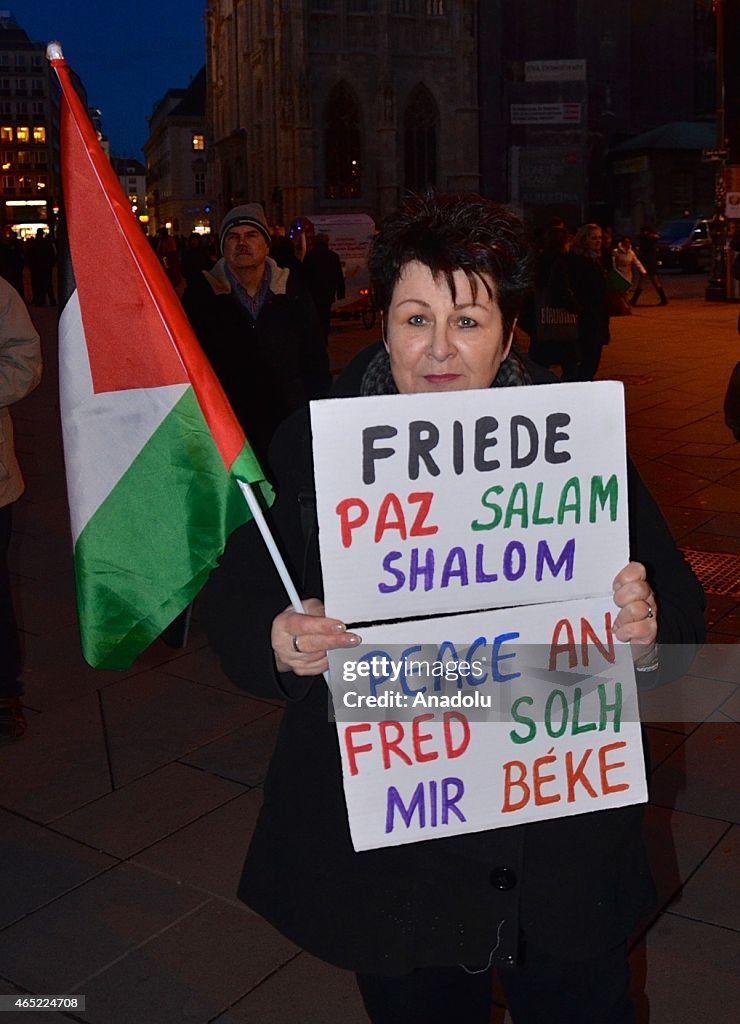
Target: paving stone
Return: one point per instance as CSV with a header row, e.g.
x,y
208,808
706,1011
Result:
x,y
209,853
730,623
202,666
719,605
39,866
42,604
714,432
191,971
715,498
81,933
60,764
677,843
156,718
700,540
55,671
731,706
244,754
692,973
701,776
725,524
685,520
680,704
305,990
146,810
712,894
700,449
719,658
662,742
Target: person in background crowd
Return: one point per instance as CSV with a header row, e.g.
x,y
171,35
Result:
x,y
195,258
20,372
626,262
588,283
649,256
553,344
41,257
325,279
607,247
169,256
282,250
549,904
258,327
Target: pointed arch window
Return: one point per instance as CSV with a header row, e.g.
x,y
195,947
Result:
x,y
343,144
420,129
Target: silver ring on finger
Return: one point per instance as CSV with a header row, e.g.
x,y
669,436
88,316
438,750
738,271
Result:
x,y
296,648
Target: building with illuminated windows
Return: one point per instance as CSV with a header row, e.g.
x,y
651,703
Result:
x,y
27,162
175,152
132,175
321,106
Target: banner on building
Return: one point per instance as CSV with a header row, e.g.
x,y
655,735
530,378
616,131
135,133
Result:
x,y
555,71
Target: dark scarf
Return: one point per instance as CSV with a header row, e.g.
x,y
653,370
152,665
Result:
x,y
378,379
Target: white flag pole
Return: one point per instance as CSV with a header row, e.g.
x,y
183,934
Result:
x,y
254,507
277,559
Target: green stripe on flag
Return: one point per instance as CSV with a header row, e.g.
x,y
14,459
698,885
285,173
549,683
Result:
x,y
149,548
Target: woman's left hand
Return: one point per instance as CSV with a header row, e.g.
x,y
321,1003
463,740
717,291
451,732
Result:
x,y
637,620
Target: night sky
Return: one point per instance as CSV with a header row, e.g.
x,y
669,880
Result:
x,y
128,54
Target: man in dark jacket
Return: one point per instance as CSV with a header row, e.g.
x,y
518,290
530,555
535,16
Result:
x,y
258,327
323,270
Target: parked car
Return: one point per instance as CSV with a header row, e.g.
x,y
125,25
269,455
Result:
x,y
685,244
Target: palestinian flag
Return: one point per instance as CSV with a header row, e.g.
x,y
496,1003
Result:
x,y
152,448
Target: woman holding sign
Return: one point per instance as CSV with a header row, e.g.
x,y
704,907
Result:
x,y
548,905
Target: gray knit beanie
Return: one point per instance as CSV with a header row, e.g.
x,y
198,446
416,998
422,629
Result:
x,y
251,213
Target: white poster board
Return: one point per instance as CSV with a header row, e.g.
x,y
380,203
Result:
x,y
513,500
436,503
486,720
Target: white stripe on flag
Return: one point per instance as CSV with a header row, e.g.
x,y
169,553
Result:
x,y
128,419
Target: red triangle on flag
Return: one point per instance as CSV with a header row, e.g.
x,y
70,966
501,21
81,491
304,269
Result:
x,y
115,296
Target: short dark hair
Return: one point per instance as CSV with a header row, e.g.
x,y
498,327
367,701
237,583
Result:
x,y
454,232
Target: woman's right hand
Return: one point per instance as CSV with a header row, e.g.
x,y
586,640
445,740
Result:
x,y
300,641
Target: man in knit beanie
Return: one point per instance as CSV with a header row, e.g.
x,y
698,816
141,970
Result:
x,y
258,326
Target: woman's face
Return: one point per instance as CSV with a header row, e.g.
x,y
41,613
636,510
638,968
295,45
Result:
x,y
595,239
437,344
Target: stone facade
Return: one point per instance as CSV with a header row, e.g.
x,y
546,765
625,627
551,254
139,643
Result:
x,y
321,106
177,194
648,64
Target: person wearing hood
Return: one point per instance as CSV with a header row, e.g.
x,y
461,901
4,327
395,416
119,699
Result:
x,y
259,328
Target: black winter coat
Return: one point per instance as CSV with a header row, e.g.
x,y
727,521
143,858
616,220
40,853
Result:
x,y
268,367
573,886
588,284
